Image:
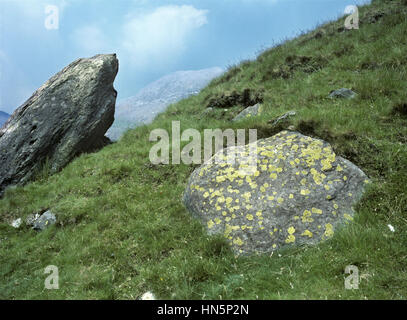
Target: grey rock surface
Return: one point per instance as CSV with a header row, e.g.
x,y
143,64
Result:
x,y
343,93
282,118
207,111
296,192
30,220
249,112
16,223
66,116
44,221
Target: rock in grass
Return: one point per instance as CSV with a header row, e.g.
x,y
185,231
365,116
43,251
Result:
x,y
343,93
282,118
207,111
148,296
45,220
68,115
249,112
299,192
16,223
30,220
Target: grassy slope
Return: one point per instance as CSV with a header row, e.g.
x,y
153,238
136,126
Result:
x,y
123,229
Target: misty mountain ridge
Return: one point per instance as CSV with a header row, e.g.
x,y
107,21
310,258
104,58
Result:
x,y
157,96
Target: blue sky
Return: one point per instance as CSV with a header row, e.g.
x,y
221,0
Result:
x,y
151,37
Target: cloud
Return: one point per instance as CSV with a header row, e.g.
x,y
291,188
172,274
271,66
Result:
x,y
89,39
15,82
160,35
32,12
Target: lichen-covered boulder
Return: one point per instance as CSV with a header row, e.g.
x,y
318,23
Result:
x,y
297,192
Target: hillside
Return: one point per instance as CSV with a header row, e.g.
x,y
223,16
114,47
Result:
x,y
122,227
3,117
154,98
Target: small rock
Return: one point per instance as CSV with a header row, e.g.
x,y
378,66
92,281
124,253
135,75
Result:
x,y
30,220
285,116
343,93
47,219
16,223
148,296
249,112
207,111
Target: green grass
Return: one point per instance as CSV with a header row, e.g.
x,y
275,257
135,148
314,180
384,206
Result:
x,y
123,230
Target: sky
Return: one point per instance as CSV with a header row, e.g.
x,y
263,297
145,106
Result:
x,y
151,38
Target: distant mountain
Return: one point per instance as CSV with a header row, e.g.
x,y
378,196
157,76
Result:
x,y
157,96
3,118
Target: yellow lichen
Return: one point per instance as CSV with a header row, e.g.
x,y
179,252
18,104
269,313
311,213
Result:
x,y
317,211
290,239
307,233
306,216
347,216
329,230
291,230
238,241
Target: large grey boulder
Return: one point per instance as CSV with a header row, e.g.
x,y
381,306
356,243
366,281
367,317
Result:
x,y
66,116
298,192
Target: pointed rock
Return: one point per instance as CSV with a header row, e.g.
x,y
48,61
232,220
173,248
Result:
x,y
65,117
